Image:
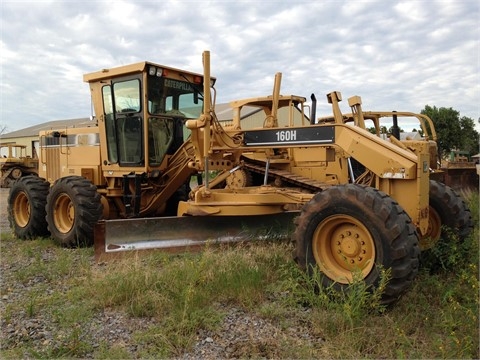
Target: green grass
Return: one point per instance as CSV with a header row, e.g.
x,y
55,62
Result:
x,y
176,296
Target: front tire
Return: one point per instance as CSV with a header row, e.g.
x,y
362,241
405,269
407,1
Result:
x,y
73,208
26,207
350,228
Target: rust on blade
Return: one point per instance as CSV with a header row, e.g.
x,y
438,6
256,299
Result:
x,y
187,233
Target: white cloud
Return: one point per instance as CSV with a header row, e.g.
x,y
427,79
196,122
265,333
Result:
x,y
416,11
397,55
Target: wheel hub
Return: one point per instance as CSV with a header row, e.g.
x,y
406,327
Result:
x,y
350,248
342,245
349,245
16,173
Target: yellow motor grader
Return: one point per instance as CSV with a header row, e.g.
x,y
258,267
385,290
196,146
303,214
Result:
x,y
124,183
14,163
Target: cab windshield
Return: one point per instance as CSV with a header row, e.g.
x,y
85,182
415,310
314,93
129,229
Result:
x,y
170,101
174,98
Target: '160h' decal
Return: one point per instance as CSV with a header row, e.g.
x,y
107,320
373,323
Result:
x,y
292,136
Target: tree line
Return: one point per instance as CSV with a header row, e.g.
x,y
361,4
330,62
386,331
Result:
x,y
453,131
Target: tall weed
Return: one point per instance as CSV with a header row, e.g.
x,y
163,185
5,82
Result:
x,y
354,303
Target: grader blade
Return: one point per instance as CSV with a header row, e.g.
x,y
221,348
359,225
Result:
x,y
187,233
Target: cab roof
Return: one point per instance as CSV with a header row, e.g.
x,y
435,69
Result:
x,y
130,69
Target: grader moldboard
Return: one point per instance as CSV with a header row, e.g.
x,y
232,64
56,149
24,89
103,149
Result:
x,y
125,181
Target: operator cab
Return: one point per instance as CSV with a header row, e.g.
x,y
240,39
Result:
x,y
144,107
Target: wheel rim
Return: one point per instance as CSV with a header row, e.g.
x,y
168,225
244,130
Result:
x,y
16,173
434,230
342,245
64,213
22,210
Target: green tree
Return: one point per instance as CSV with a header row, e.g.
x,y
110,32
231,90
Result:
x,y
372,130
390,130
452,131
384,130
470,137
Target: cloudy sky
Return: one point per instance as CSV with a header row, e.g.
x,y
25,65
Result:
x,y
397,55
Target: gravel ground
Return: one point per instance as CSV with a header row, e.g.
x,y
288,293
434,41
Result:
x,y
240,335
3,211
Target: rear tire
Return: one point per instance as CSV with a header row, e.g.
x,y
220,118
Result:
x,y
352,227
73,208
26,207
447,209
